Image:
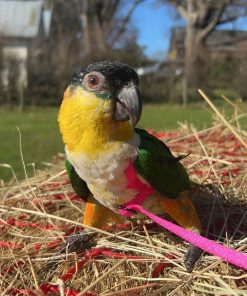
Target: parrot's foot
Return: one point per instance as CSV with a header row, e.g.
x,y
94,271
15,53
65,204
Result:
x,y
191,257
78,242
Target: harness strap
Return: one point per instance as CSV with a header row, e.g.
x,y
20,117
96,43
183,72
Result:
x,y
227,254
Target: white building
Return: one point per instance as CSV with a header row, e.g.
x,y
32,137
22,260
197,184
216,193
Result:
x,y
23,26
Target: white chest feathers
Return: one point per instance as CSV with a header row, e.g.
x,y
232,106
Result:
x,y
105,174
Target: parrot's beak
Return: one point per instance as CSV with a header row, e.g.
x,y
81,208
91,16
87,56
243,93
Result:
x,y
127,105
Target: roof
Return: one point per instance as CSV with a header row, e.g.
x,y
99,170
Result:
x,y
20,18
218,38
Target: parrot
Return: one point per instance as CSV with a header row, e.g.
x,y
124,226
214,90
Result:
x,y
110,162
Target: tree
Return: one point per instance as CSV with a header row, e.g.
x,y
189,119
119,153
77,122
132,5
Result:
x,y
84,31
202,17
104,24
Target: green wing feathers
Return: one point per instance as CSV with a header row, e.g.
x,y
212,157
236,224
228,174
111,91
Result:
x,y
79,186
156,164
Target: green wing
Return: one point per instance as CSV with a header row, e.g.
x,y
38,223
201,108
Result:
x,y
156,164
79,185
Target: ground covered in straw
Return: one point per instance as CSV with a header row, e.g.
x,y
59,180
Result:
x,y
134,258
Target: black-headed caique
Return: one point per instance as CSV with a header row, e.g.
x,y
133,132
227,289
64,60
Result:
x,y
110,162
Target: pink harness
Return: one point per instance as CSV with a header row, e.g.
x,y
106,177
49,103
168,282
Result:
x,y
230,255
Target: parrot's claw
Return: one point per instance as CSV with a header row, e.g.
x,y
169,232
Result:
x,y
78,242
122,207
191,257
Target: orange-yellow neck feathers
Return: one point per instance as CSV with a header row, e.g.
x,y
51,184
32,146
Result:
x,y
86,123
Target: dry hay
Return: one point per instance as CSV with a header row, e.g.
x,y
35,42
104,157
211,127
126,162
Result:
x,y
132,258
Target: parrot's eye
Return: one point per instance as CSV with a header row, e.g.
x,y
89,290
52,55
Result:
x,y
94,81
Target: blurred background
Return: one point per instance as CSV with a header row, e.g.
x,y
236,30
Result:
x,y
176,47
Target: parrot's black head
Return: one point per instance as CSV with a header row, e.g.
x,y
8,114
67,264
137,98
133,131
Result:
x,y
116,74
111,80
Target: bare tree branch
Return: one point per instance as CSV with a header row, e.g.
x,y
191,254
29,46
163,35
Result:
x,y
181,6
183,12
230,18
210,27
124,22
110,12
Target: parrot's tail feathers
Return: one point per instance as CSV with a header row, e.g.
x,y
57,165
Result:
x,y
180,157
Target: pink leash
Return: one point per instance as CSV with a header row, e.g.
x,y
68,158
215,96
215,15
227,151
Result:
x,y
232,256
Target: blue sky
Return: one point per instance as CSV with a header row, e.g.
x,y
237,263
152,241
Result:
x,y
154,23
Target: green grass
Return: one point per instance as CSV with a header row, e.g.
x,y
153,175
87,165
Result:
x,y
166,117
41,139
